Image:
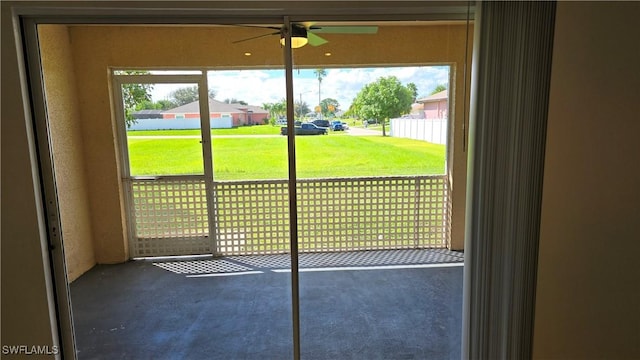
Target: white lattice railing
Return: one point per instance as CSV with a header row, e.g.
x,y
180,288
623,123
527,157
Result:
x,y
252,217
170,217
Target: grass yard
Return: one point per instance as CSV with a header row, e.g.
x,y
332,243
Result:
x,y
335,155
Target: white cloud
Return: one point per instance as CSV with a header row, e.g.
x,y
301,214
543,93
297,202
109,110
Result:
x,y
253,86
343,84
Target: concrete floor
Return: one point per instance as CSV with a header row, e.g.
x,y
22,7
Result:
x,y
369,305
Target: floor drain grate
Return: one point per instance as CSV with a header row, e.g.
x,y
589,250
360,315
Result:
x,y
201,266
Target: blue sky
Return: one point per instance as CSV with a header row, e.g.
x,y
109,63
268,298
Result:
x,y
343,84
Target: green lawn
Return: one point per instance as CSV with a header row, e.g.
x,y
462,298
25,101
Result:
x,y
335,155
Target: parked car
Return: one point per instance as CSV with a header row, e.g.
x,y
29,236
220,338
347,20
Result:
x,y
306,129
370,122
337,126
321,123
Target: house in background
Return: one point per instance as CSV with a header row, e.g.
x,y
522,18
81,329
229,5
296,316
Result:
x,y
413,126
435,106
417,110
187,116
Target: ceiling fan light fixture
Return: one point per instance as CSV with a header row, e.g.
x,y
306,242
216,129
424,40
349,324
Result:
x,y
298,37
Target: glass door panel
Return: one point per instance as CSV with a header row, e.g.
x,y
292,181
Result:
x,y
250,193
238,160
163,131
168,206
371,159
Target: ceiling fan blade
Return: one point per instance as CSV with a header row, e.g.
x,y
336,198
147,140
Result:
x,y
308,24
315,40
259,26
256,37
345,29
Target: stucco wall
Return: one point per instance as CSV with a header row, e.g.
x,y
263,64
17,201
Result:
x,y
25,311
98,48
588,274
67,143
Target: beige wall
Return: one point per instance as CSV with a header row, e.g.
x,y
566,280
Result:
x,y
588,294
66,135
25,311
96,49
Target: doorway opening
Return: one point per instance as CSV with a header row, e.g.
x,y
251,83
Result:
x,y
326,217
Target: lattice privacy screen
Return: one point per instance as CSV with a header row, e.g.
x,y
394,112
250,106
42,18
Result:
x,y
171,217
371,213
337,214
252,217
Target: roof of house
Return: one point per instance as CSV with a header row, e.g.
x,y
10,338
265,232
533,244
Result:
x,y
214,106
442,95
253,108
146,114
416,106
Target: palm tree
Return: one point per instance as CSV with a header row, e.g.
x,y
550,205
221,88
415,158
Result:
x,y
280,108
320,74
268,106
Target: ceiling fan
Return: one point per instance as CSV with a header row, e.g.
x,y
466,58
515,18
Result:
x,y
305,33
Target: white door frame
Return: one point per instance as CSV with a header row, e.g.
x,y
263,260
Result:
x,y
205,140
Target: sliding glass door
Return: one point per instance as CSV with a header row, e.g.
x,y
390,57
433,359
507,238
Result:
x,y
376,277
299,198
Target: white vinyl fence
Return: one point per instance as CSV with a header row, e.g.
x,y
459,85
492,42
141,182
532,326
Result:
x,y
431,130
180,124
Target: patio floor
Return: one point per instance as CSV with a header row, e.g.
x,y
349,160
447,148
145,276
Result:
x,y
401,304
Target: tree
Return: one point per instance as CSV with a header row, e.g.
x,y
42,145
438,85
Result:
x,y
267,106
277,109
165,104
281,108
320,74
147,105
133,95
414,91
329,106
158,105
438,88
301,108
235,101
383,99
187,95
